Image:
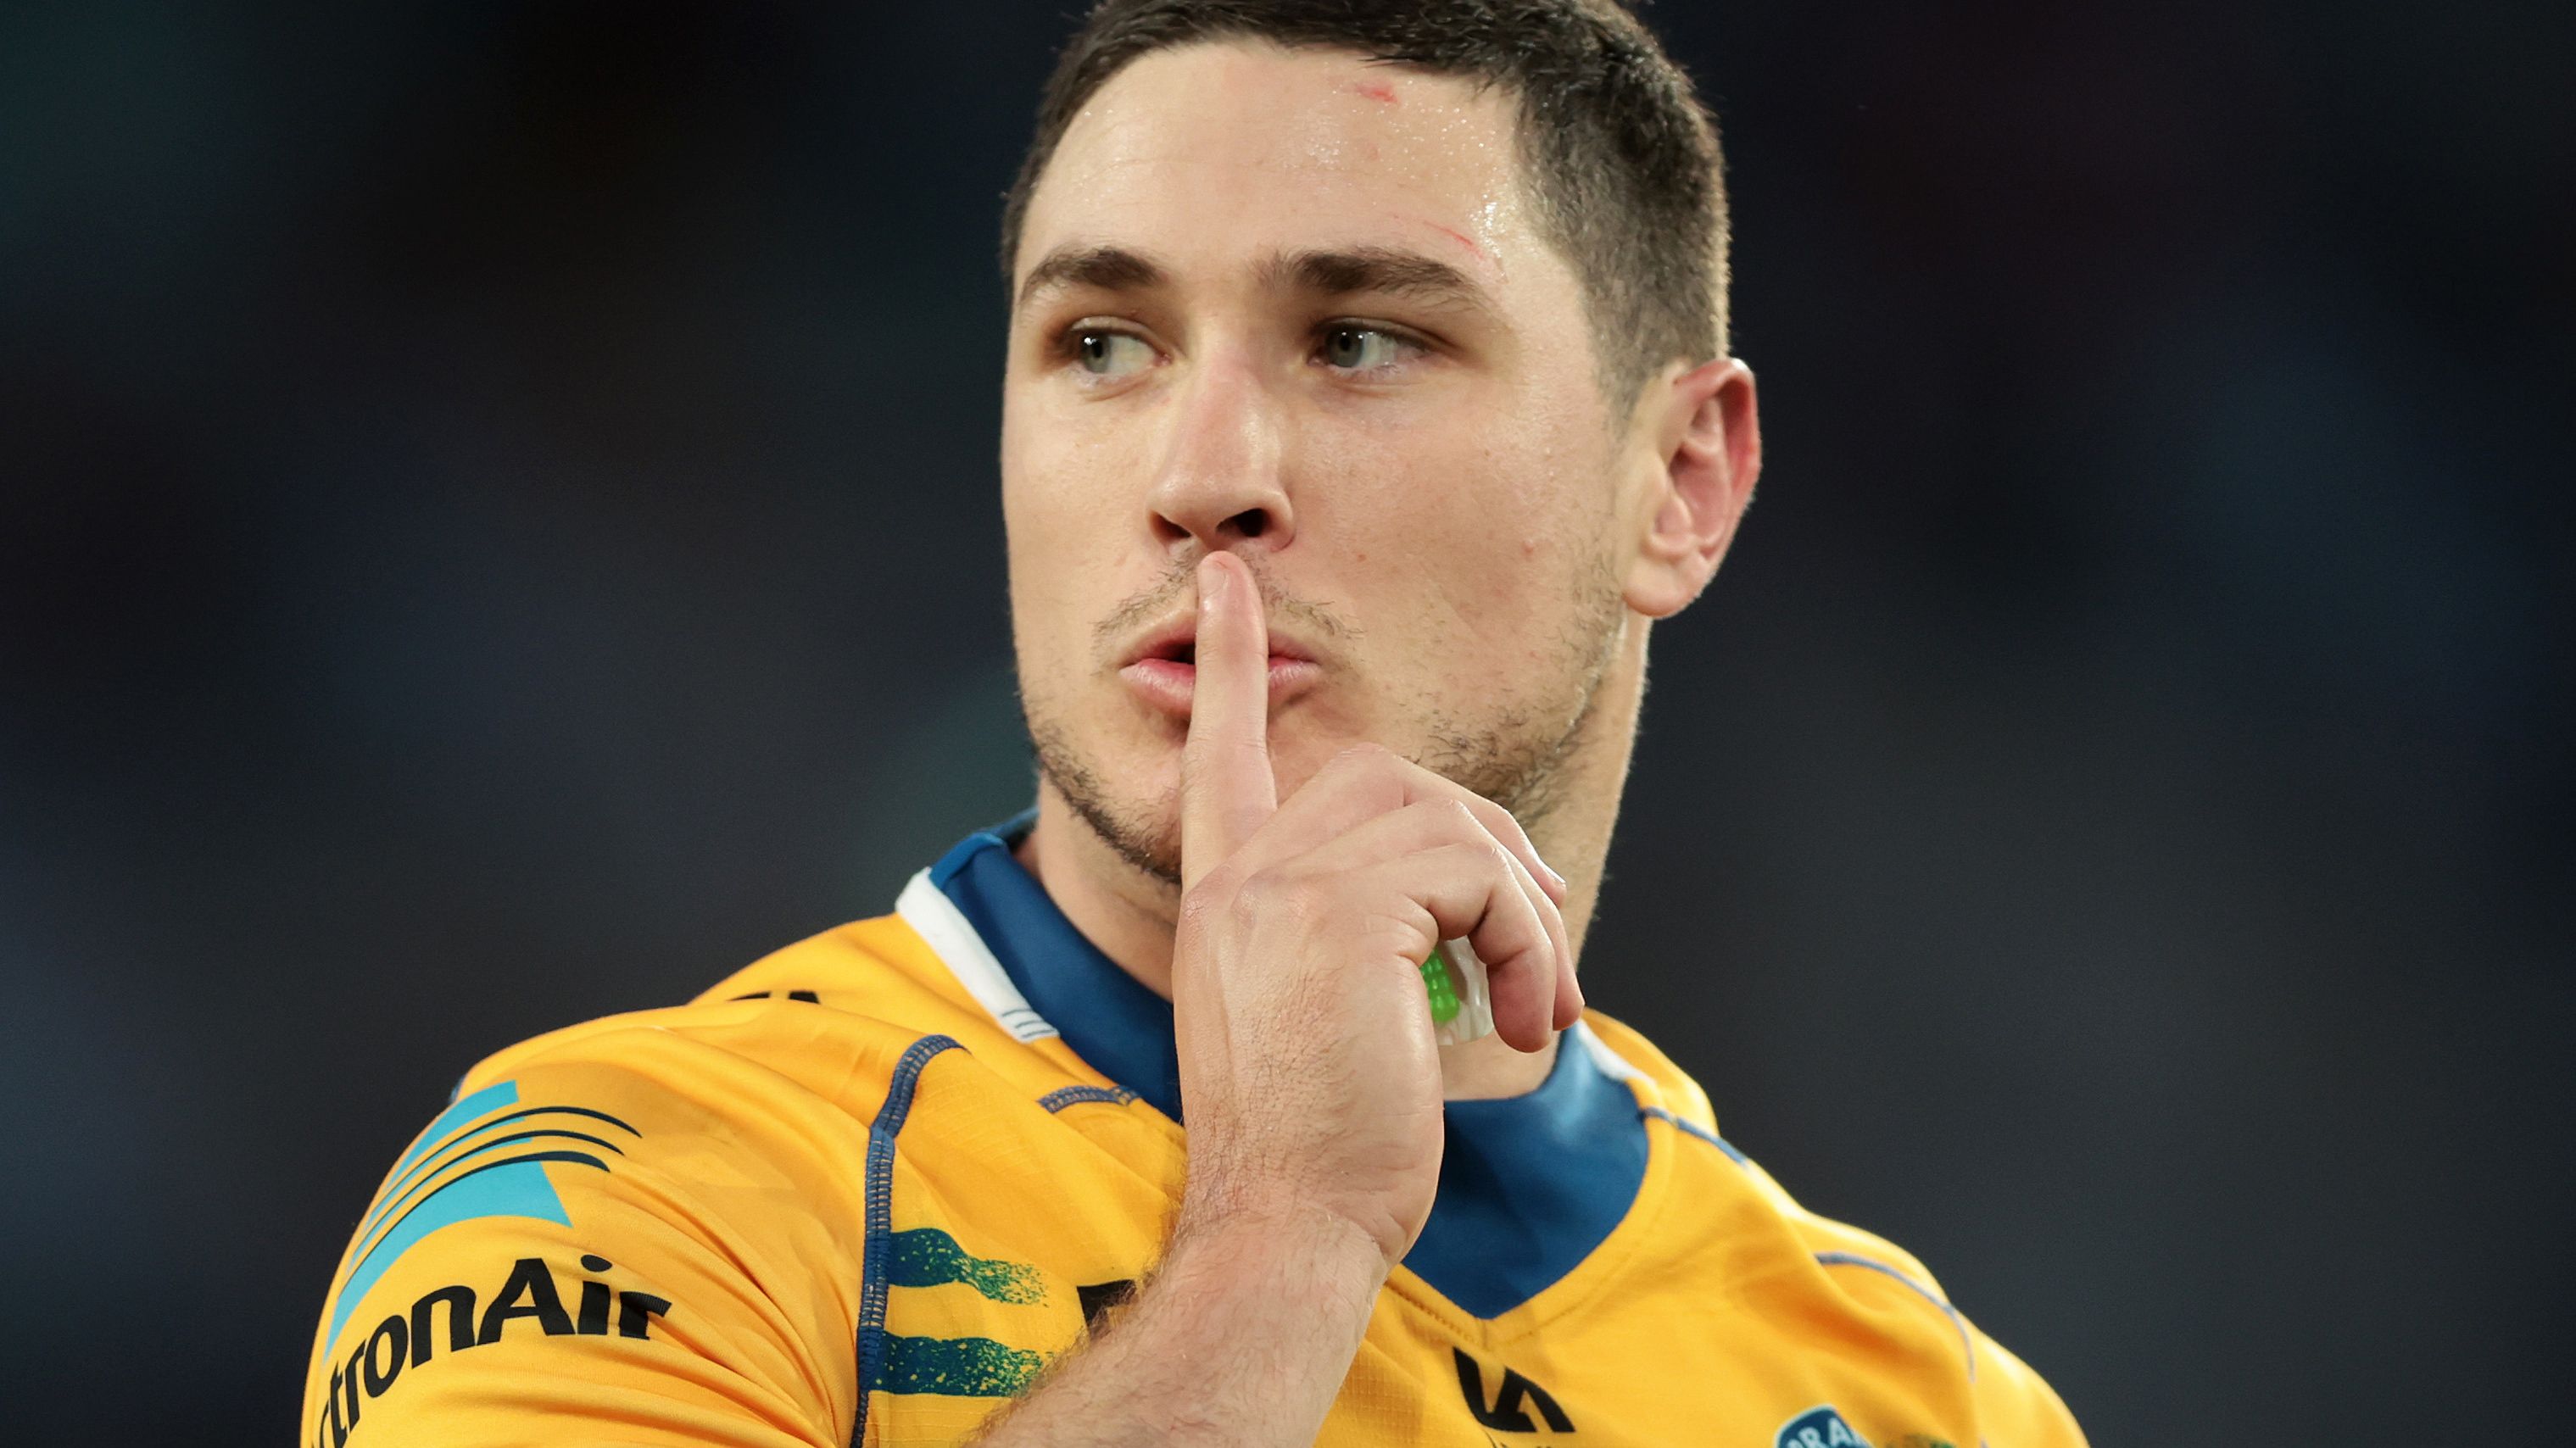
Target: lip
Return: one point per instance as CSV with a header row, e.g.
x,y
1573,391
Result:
x,y
1165,683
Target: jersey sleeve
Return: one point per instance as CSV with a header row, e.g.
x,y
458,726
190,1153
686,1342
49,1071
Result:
x,y
637,1236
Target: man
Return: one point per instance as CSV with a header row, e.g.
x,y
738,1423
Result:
x,y
1367,401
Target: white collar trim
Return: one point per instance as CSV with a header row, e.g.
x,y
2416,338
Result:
x,y
951,937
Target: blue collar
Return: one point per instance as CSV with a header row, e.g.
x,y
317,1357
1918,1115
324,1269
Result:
x,y
1529,1185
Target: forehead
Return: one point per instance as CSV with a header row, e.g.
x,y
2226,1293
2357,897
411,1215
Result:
x,y
1214,152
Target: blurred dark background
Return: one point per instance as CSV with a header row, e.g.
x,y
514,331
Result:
x,y
498,525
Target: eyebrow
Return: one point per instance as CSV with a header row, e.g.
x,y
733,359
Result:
x,y
1353,271
1108,268
1379,270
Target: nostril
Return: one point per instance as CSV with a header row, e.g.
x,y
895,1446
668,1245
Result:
x,y
1250,522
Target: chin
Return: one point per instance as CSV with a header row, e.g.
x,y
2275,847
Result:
x,y
1130,797
1119,769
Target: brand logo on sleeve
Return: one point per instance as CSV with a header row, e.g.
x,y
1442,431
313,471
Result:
x,y
530,1295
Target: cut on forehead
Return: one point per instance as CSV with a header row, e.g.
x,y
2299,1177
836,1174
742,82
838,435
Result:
x,y
1234,72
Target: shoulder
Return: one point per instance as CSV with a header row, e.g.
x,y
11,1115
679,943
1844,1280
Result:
x,y
2015,1407
777,1082
1871,1277
830,1023
673,1202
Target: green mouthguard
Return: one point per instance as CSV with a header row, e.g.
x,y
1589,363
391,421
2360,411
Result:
x,y
1443,989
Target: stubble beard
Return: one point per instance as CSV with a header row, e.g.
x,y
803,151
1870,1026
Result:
x,y
1520,758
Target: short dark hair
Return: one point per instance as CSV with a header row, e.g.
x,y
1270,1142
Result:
x,y
1618,152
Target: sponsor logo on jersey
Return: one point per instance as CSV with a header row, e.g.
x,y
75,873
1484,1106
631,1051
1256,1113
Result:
x,y
1820,1427
530,1295
485,1156
1514,1397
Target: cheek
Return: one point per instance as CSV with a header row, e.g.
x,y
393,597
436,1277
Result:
x,y
1046,610
1072,468
1053,515
1475,530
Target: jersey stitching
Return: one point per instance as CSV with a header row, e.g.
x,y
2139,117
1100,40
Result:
x,y
1693,1128
1967,1345
880,1214
1064,1096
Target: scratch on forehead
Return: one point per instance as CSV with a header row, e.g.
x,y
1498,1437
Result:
x,y
1376,90
1459,237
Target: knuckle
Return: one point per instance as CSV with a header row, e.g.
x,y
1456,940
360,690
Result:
x,y
1365,755
1459,818
1269,894
1204,902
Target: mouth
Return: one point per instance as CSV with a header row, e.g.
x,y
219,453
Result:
x,y
1162,669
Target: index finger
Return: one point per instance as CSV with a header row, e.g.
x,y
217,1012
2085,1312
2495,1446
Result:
x,y
1227,790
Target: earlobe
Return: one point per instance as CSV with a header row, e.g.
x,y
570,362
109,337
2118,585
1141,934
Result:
x,y
1708,447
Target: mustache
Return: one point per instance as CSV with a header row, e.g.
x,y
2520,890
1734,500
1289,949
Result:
x,y
1181,581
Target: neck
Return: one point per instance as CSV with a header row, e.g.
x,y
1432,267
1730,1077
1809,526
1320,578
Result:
x,y
1130,915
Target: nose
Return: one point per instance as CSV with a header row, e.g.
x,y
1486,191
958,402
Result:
x,y
1220,481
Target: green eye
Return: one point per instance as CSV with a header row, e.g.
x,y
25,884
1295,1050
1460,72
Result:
x,y
1361,349
1111,354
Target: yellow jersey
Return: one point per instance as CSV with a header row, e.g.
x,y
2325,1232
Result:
x,y
864,1191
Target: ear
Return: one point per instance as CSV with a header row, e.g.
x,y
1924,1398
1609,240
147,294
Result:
x,y
1706,437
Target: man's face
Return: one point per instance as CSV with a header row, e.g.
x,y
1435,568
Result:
x,y
1295,305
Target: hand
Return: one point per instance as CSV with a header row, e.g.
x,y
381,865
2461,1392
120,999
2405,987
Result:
x,y
1311,1083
